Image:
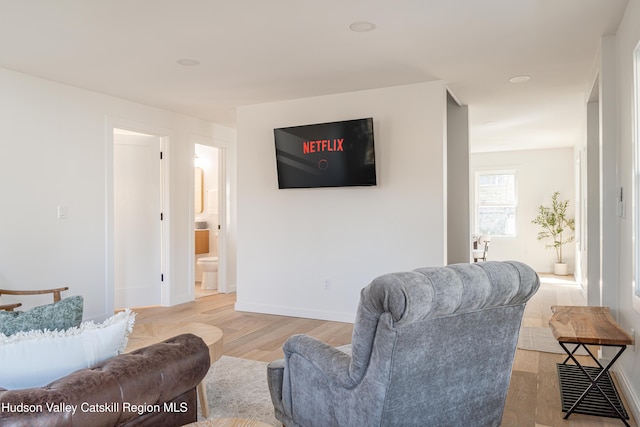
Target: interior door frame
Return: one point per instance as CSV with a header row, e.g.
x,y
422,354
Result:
x,y
165,257
223,286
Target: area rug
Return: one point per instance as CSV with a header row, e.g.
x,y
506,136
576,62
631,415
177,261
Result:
x,y
541,339
237,388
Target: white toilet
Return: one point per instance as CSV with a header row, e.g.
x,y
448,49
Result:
x,y
209,267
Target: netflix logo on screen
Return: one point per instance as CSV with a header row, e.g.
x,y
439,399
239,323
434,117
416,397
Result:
x,y
336,154
324,145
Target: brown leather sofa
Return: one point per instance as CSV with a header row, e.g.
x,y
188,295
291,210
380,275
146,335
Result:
x,y
152,386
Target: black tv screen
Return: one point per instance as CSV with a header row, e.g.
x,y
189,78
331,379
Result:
x,y
337,154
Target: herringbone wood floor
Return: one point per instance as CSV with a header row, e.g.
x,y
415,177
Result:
x,y
533,399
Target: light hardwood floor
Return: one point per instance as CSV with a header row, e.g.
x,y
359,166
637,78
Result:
x,y
533,399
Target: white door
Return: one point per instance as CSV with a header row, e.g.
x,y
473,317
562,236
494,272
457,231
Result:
x,y
137,220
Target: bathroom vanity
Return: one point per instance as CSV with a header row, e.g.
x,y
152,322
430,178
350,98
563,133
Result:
x,y
202,242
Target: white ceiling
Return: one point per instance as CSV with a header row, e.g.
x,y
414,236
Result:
x,y
256,51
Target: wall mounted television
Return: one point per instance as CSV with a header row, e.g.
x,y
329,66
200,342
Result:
x,y
336,154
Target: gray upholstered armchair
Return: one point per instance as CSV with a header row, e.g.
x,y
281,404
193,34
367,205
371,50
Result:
x,y
431,347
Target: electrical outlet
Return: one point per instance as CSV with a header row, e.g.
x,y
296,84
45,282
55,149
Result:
x,y
327,285
62,212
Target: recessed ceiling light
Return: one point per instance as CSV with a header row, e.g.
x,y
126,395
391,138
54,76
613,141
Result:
x,y
362,27
519,79
188,62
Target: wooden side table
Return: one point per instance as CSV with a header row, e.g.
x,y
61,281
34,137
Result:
x,y
585,389
145,334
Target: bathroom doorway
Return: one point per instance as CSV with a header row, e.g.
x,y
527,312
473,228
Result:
x,y
208,220
137,218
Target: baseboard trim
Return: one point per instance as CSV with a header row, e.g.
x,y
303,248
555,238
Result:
x,y
631,398
231,287
333,316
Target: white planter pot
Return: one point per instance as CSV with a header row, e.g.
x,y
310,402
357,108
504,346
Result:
x,y
560,269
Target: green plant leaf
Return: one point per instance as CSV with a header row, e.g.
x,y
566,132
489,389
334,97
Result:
x,y
554,223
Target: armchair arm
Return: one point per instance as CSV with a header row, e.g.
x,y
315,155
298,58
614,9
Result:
x,y
275,376
55,292
10,307
329,360
144,378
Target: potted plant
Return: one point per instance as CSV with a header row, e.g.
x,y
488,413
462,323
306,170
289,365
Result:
x,y
557,227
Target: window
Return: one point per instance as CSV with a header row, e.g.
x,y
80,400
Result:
x,y
496,203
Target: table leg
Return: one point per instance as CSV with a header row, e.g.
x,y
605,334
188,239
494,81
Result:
x,y
593,380
204,402
577,347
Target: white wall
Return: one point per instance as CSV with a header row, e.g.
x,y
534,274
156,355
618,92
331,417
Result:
x,y
627,39
54,151
539,174
291,242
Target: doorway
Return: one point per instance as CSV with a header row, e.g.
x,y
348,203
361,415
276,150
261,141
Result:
x,y
137,216
209,219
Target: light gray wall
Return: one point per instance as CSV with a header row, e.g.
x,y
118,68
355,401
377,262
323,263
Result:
x,y
54,151
618,286
592,238
609,221
294,244
458,220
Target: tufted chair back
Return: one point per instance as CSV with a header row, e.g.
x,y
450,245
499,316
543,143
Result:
x,y
430,347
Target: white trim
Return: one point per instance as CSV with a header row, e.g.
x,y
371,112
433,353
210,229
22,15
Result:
x,y
191,275
165,263
633,400
109,285
223,196
635,182
334,316
222,219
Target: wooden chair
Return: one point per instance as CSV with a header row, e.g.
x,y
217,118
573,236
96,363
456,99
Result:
x,y
481,249
10,307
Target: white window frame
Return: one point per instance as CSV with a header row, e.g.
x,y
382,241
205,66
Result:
x,y
477,200
635,286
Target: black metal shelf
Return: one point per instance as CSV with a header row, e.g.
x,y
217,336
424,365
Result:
x,y
573,382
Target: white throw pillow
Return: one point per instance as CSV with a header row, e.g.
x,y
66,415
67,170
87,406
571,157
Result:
x,y
36,358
